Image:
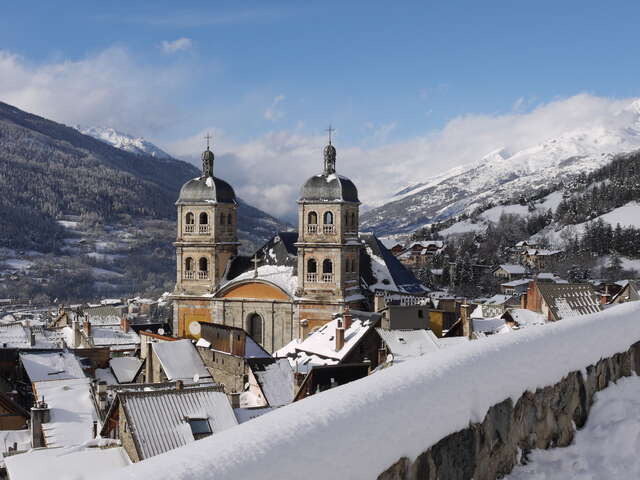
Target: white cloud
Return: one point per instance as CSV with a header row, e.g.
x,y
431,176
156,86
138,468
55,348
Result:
x,y
108,88
268,171
272,113
182,43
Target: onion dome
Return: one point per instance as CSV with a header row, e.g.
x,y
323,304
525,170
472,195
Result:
x,y
206,189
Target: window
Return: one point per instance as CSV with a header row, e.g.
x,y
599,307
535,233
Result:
x,y
255,327
353,219
230,219
200,427
312,218
204,218
327,266
312,266
188,264
203,264
190,219
328,218
222,218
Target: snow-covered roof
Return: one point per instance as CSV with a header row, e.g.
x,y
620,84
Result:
x,y
570,299
498,299
524,317
276,380
16,335
125,368
488,325
180,361
512,268
405,344
115,338
322,342
158,420
516,283
72,411
66,463
281,276
51,366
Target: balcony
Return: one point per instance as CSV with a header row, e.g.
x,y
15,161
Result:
x,y
203,275
313,229
189,275
328,229
203,229
322,278
189,228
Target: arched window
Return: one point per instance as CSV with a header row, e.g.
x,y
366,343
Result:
x,y
190,219
222,219
230,219
204,218
312,266
328,218
327,266
203,264
254,327
188,264
353,219
312,218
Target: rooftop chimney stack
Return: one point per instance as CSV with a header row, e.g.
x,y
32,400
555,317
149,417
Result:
x,y
467,327
339,336
179,385
605,297
124,324
378,301
40,414
347,318
87,327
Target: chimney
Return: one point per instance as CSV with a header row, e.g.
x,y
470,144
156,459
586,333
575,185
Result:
x,y
467,327
347,318
32,337
95,429
378,301
179,385
382,355
87,327
40,414
339,336
124,324
604,297
234,398
523,300
102,395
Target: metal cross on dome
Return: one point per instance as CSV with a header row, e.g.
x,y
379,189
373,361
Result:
x,y
330,130
255,261
207,138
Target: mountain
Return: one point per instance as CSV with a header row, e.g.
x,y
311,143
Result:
x,y
124,141
502,175
80,218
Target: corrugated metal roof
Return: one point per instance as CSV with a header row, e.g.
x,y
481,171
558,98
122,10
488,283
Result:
x,y
158,419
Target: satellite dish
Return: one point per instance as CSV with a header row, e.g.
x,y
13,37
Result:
x,y
161,331
196,378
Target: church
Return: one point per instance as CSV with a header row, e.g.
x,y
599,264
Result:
x,y
293,284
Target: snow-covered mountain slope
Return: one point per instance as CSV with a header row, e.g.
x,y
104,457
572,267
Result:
x,y
502,175
124,141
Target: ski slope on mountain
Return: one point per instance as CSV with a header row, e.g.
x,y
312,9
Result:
x,y
502,175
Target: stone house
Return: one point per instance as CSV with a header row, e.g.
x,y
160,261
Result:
x,y
540,259
509,271
152,421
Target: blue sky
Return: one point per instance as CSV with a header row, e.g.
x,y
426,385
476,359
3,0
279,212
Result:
x,y
380,74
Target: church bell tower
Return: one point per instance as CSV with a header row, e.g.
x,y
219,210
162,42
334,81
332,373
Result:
x,y
328,246
206,240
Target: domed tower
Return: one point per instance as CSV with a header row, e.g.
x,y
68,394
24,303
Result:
x,y
328,247
207,231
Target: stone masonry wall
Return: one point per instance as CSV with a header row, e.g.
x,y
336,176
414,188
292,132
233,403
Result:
x,y
544,419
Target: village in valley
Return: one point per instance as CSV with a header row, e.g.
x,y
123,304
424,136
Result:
x,y
320,241
121,380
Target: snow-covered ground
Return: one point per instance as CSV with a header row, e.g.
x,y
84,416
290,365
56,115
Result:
x,y
606,448
332,435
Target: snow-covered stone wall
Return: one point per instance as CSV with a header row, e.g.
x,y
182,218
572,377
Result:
x,y
463,409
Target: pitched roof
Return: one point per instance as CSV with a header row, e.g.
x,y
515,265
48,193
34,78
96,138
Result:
x,y
125,369
51,366
276,379
158,420
405,344
381,270
511,268
567,300
180,360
